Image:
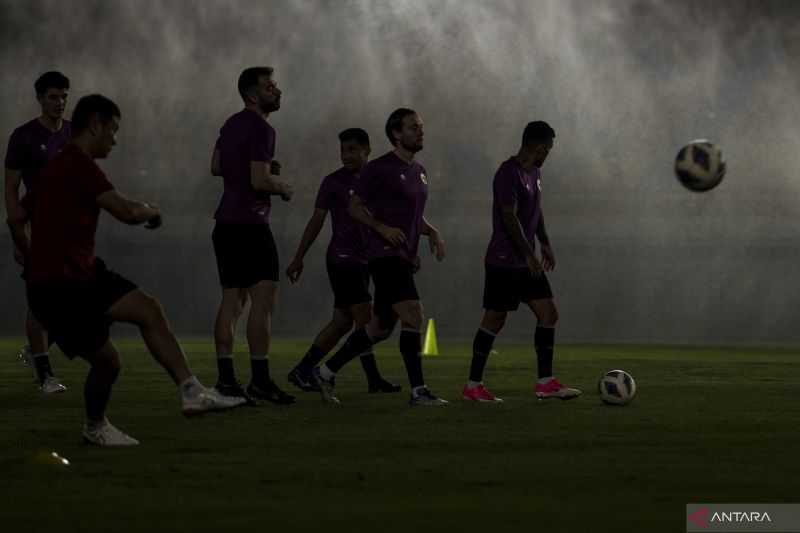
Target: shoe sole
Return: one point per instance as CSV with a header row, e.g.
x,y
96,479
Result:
x,y
496,400
90,442
198,412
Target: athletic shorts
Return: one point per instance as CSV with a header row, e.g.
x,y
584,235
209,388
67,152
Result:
x,y
74,311
350,284
393,278
246,254
506,287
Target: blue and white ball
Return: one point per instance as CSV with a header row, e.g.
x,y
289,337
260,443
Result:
x,y
699,166
617,387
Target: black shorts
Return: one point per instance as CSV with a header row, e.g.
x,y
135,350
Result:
x,y
506,287
246,254
393,278
350,284
74,311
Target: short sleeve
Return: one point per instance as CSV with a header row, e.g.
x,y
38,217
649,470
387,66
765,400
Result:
x,y
505,190
15,156
93,181
324,195
262,143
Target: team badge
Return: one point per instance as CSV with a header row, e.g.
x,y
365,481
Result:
x,y
43,148
403,177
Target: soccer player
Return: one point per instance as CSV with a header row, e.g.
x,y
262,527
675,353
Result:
x,y
513,272
247,258
29,148
390,200
346,264
72,292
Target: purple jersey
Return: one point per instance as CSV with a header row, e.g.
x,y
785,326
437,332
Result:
x,y
347,239
514,185
244,137
395,193
32,145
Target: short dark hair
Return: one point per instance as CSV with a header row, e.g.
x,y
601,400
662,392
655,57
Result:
x,y
90,105
50,80
537,132
355,134
395,122
249,79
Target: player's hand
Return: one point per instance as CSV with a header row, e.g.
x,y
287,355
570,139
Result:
x,y
548,258
437,245
286,191
274,168
154,221
534,265
394,235
294,270
417,265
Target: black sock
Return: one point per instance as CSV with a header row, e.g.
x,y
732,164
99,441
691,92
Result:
x,y
42,365
410,347
225,369
357,343
370,367
259,370
481,347
311,359
544,339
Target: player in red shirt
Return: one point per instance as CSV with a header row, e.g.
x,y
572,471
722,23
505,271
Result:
x,y
72,292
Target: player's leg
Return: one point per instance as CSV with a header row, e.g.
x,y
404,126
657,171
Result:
x,y
142,310
544,307
340,325
36,353
362,314
411,316
500,296
230,309
104,369
259,333
491,324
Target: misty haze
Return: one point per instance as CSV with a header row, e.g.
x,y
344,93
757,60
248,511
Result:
x,y
624,84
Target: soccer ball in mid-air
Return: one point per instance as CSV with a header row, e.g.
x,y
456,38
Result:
x,y
616,387
699,166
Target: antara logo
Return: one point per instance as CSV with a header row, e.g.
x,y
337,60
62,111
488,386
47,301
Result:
x,y
737,517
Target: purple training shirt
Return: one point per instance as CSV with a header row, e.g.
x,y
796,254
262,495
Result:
x,y
31,146
513,184
244,137
347,238
395,193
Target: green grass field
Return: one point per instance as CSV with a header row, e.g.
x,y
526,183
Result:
x,y
708,425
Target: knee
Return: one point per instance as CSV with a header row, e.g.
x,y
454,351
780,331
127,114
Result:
x,y
550,316
342,326
153,311
494,321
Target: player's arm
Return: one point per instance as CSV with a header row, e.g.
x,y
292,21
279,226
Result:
x,y
548,257
216,167
514,229
129,211
310,234
359,211
434,239
264,180
19,235
14,208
